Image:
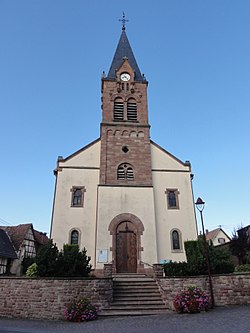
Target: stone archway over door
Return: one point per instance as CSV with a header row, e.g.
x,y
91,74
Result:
x,y
126,230
126,248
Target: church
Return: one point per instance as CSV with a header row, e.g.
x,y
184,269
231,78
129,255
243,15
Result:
x,y
124,198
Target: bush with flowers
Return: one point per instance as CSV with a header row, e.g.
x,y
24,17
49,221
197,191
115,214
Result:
x,y
81,310
191,300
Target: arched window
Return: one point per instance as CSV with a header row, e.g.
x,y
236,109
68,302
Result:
x,y
74,237
118,109
176,240
125,172
131,110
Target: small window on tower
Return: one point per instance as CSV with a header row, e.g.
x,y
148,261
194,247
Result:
x,y
77,196
125,172
172,198
118,109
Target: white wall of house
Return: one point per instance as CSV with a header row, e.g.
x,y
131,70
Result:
x,y
218,240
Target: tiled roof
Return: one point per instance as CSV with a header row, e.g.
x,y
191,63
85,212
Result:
x,y
212,234
6,248
18,233
40,237
124,50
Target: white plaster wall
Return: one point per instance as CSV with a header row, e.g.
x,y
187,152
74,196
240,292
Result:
x,y
161,159
168,219
148,204
138,201
170,173
65,217
88,156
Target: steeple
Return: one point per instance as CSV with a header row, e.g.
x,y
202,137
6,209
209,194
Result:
x,y
125,131
124,51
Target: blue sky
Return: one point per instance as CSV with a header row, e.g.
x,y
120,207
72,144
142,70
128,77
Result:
x,y
195,55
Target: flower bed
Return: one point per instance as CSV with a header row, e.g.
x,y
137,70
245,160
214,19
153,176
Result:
x,y
81,310
191,300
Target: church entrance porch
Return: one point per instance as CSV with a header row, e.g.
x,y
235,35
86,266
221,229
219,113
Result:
x,y
126,230
126,248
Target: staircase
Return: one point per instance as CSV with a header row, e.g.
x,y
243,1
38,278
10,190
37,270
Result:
x,y
134,295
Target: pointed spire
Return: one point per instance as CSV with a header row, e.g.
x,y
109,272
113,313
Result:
x,y
124,50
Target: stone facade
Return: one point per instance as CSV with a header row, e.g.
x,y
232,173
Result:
x,y
232,289
47,298
126,133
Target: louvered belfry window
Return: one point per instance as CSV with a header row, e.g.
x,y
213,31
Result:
x,y
125,172
118,109
132,110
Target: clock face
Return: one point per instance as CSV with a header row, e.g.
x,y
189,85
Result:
x,y
125,77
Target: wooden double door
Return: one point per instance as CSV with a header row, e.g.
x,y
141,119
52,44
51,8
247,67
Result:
x,y
126,248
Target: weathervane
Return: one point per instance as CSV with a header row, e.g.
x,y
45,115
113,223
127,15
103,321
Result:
x,y
123,20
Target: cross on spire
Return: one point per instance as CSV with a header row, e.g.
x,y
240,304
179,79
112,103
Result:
x,y
123,20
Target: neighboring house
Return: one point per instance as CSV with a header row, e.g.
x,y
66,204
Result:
x,y
25,241
245,230
123,197
217,237
7,253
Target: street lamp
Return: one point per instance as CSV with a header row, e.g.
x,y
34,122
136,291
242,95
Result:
x,y
200,204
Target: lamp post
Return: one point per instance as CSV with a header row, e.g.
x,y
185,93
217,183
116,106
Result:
x,y
200,204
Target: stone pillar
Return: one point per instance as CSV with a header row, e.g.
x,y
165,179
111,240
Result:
x,y
107,270
158,271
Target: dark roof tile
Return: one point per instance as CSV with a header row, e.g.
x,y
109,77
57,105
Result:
x,y
6,247
124,50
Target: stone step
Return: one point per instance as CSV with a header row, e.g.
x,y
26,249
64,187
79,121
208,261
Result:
x,y
115,313
134,294
133,307
136,302
129,275
134,283
136,288
138,297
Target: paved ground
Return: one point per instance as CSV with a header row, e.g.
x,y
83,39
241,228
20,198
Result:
x,y
220,320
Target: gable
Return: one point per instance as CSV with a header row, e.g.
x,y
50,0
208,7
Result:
x,y
163,160
18,233
88,157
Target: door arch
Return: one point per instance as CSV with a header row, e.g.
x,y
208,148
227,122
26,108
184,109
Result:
x,y
126,230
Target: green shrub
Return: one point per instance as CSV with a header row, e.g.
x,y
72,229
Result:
x,y
32,270
26,263
196,261
70,262
243,268
176,268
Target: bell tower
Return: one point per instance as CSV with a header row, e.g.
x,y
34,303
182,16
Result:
x,y
125,131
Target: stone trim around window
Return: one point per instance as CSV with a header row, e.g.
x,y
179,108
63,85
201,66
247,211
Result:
x,y
172,195
72,236
77,197
176,242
